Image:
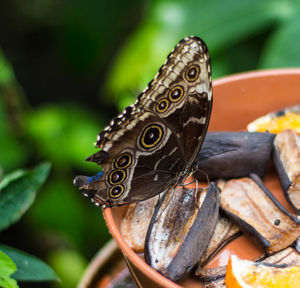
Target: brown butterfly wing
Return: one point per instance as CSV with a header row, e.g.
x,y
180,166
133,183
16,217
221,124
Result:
x,y
154,142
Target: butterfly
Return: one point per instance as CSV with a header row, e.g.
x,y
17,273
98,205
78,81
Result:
x,y
153,144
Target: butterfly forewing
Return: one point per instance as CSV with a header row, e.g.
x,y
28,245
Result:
x,y
149,147
181,95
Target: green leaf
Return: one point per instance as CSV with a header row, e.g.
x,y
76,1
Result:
x,y
29,267
13,176
18,194
282,49
7,267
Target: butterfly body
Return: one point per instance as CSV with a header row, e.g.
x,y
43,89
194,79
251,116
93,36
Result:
x,y
153,144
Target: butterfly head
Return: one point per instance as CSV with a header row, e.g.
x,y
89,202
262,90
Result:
x,y
82,182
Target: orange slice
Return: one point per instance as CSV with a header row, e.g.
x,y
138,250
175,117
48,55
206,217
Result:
x,y
248,274
276,122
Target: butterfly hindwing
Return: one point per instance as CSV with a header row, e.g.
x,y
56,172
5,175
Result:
x,y
132,171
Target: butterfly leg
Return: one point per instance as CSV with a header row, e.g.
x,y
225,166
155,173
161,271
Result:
x,y
189,183
195,195
171,197
196,169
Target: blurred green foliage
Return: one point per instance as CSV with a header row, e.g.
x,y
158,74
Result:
x,y
241,35
70,264
66,67
52,131
18,191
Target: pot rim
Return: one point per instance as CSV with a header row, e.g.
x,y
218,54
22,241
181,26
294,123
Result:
x,y
255,74
107,212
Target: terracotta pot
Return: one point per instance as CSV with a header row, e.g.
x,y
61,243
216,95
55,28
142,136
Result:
x,y
107,269
238,100
98,266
